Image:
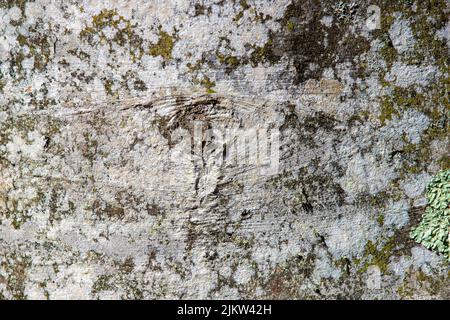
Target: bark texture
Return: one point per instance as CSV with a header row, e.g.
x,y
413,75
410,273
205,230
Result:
x,y
99,198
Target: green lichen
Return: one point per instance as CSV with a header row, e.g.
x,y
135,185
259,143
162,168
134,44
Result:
x,y
163,47
433,231
208,84
124,33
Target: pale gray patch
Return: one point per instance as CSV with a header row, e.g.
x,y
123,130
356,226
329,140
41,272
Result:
x,y
243,273
327,21
404,75
396,215
415,123
348,236
398,266
401,34
415,185
324,267
425,259
366,174
444,34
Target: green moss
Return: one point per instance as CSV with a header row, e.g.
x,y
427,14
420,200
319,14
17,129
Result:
x,y
434,229
231,61
424,21
108,85
378,257
163,47
264,54
444,162
89,149
380,220
388,51
418,155
80,54
107,18
243,242
196,66
244,4
285,278
306,191
238,16
131,80
405,291
343,264
374,201
200,9
380,252
402,99
290,26
387,110
427,46
428,49
435,105
408,98
103,283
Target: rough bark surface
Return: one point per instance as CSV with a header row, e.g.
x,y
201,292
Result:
x,y
98,198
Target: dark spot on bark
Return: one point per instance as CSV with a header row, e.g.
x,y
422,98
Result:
x,y
312,46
